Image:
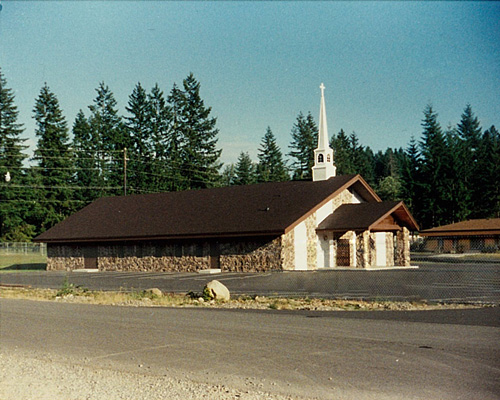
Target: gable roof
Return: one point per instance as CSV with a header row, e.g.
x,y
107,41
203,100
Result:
x,y
366,216
261,209
490,226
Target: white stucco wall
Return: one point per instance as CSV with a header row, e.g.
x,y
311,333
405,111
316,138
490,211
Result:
x,y
300,246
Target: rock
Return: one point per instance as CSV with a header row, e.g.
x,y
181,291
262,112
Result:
x,y
217,290
155,291
201,300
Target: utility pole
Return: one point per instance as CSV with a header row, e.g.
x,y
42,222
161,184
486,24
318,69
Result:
x,y
125,171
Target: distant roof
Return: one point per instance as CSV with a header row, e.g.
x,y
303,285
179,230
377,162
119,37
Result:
x,y
490,226
366,216
261,209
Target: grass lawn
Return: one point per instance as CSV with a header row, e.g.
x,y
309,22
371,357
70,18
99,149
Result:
x,y
22,262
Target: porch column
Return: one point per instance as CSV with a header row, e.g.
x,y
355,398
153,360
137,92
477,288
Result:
x,y
403,248
363,249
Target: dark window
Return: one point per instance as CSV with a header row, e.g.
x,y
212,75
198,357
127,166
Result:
x,y
320,158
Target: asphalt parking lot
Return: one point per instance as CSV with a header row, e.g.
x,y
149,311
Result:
x,y
450,282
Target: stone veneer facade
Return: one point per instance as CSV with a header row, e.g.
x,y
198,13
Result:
x,y
250,255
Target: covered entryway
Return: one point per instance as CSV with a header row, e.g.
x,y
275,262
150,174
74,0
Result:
x,y
372,228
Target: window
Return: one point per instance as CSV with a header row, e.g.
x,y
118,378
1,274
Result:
x,y
328,158
320,158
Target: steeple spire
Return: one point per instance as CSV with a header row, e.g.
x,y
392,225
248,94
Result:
x,y
323,155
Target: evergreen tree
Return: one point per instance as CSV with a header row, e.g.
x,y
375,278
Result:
x,y
304,141
200,156
110,138
457,196
86,167
271,167
410,178
140,157
11,166
175,143
432,183
487,199
159,117
228,175
54,159
469,133
244,172
342,154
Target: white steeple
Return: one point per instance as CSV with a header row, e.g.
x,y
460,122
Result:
x,y
323,155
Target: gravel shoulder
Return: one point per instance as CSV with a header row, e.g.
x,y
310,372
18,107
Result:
x,y
31,376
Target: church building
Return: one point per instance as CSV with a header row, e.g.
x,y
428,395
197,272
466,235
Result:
x,y
329,222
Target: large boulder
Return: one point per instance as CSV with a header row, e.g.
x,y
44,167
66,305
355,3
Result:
x,y
216,290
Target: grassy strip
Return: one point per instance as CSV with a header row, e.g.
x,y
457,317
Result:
x,y
22,262
71,294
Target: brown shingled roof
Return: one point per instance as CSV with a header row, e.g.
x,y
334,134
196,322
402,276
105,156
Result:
x,y
261,209
489,226
366,216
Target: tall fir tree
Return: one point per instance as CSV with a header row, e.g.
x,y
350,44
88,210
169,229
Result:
x,y
138,124
228,175
54,160
110,137
469,132
410,179
271,167
342,153
487,200
12,176
200,155
244,171
159,117
86,166
432,178
304,141
175,143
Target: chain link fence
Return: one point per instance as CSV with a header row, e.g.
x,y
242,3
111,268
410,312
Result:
x,y
13,248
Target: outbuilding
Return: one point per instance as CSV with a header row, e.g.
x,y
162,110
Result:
x,y
467,236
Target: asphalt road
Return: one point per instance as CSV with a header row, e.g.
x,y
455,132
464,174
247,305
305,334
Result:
x,y
478,282
334,355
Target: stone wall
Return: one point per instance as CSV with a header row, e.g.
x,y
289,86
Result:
x,y
288,251
60,258
251,255
402,257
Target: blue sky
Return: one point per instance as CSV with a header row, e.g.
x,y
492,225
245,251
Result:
x,y
261,63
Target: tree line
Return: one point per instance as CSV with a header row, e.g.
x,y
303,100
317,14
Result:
x,y
168,142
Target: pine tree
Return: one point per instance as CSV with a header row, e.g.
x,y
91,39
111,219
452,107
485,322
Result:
x,y
54,159
304,141
410,179
487,199
86,167
11,166
432,177
159,117
200,156
244,172
458,195
139,131
175,143
469,132
110,137
342,154
271,167
228,175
